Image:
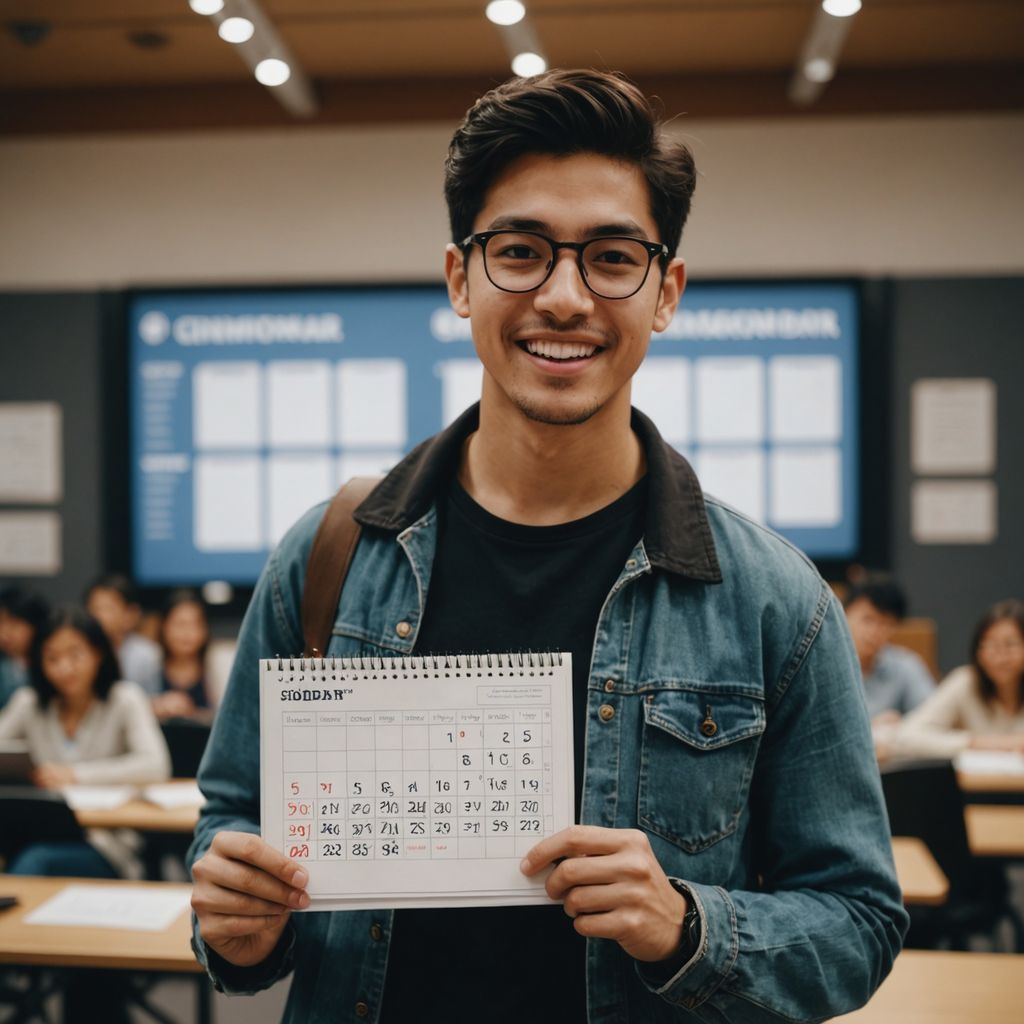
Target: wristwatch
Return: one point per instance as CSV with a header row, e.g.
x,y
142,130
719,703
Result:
x,y
689,942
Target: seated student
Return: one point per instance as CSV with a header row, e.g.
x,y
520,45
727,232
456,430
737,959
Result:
x,y
82,725
112,601
980,705
21,614
895,679
184,637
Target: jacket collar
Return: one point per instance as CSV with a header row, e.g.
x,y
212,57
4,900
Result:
x,y
677,535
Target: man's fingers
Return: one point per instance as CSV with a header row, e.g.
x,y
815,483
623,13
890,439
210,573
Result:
x,y
214,899
224,928
248,880
244,846
574,841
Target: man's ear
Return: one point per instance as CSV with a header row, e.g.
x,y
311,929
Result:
x,y
672,287
455,276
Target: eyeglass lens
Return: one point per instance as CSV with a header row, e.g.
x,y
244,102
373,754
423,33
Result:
x,y
519,262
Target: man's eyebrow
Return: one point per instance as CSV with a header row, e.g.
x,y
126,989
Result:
x,y
625,227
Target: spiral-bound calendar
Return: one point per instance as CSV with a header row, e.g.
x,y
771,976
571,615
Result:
x,y
416,781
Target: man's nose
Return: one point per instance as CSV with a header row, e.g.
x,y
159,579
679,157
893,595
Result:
x,y
563,295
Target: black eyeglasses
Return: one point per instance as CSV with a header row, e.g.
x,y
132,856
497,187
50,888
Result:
x,y
612,267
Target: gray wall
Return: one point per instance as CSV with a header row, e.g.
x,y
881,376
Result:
x,y
50,350
960,328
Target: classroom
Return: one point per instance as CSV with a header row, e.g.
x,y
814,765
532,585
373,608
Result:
x,y
652,638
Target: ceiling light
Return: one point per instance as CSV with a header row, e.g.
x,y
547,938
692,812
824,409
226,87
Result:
x,y
206,6
505,12
528,64
840,8
819,70
271,71
236,30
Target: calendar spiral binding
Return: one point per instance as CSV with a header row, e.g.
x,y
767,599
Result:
x,y
421,662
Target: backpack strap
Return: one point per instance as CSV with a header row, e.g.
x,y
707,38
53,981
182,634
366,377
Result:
x,y
329,560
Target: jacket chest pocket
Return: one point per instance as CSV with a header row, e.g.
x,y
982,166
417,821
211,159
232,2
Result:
x,y
697,757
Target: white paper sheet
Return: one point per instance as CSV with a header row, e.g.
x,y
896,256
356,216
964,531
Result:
x,y
990,762
953,426
109,906
806,487
805,398
460,386
227,405
30,543
228,502
661,388
953,512
730,400
735,476
298,403
295,483
413,782
372,403
171,795
97,798
31,452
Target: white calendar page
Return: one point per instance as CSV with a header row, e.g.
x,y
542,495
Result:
x,y
416,782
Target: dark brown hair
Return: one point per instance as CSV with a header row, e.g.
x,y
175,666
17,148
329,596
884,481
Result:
x,y
1009,611
81,622
184,595
562,113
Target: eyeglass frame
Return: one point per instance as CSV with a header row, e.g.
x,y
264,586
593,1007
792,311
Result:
x,y
481,238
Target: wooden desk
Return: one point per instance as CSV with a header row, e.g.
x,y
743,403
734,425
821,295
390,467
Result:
x,y
53,946
1009,786
143,816
995,830
947,988
920,877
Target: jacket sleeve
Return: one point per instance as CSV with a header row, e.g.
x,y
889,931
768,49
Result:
x,y
823,929
230,771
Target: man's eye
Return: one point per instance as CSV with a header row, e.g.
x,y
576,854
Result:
x,y
517,252
615,257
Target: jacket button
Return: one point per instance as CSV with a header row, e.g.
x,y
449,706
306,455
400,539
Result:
x,y
709,727
376,932
606,712
362,1010
609,686
403,629
631,563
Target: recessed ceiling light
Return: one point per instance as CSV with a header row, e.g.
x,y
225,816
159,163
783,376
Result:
x,y
206,6
505,12
840,8
528,64
236,30
271,71
819,70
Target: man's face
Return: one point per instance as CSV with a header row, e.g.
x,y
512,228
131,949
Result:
x,y
113,613
570,199
870,628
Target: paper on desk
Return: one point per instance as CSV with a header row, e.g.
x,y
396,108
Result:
x,y
171,795
97,798
990,762
112,906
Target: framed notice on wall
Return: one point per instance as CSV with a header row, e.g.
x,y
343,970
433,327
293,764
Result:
x,y
248,407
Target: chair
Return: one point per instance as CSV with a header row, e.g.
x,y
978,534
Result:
x,y
186,740
924,800
31,815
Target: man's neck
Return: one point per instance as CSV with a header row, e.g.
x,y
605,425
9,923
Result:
x,y
540,474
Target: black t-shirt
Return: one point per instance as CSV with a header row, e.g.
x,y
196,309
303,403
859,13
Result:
x,y
498,586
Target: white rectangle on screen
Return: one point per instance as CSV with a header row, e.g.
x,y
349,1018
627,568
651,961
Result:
x,y
460,386
295,483
365,464
807,487
228,502
372,403
953,512
661,388
805,398
730,400
299,403
734,475
227,404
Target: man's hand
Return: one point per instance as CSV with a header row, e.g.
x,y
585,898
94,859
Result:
x,y
613,887
53,776
242,892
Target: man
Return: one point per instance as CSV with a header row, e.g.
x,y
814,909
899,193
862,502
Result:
x,y
896,680
111,600
733,861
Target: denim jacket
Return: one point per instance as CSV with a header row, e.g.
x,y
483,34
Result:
x,y
772,821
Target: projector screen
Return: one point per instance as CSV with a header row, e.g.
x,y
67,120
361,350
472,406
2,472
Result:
x,y
248,407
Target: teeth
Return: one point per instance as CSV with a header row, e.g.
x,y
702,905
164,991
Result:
x,y
560,349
